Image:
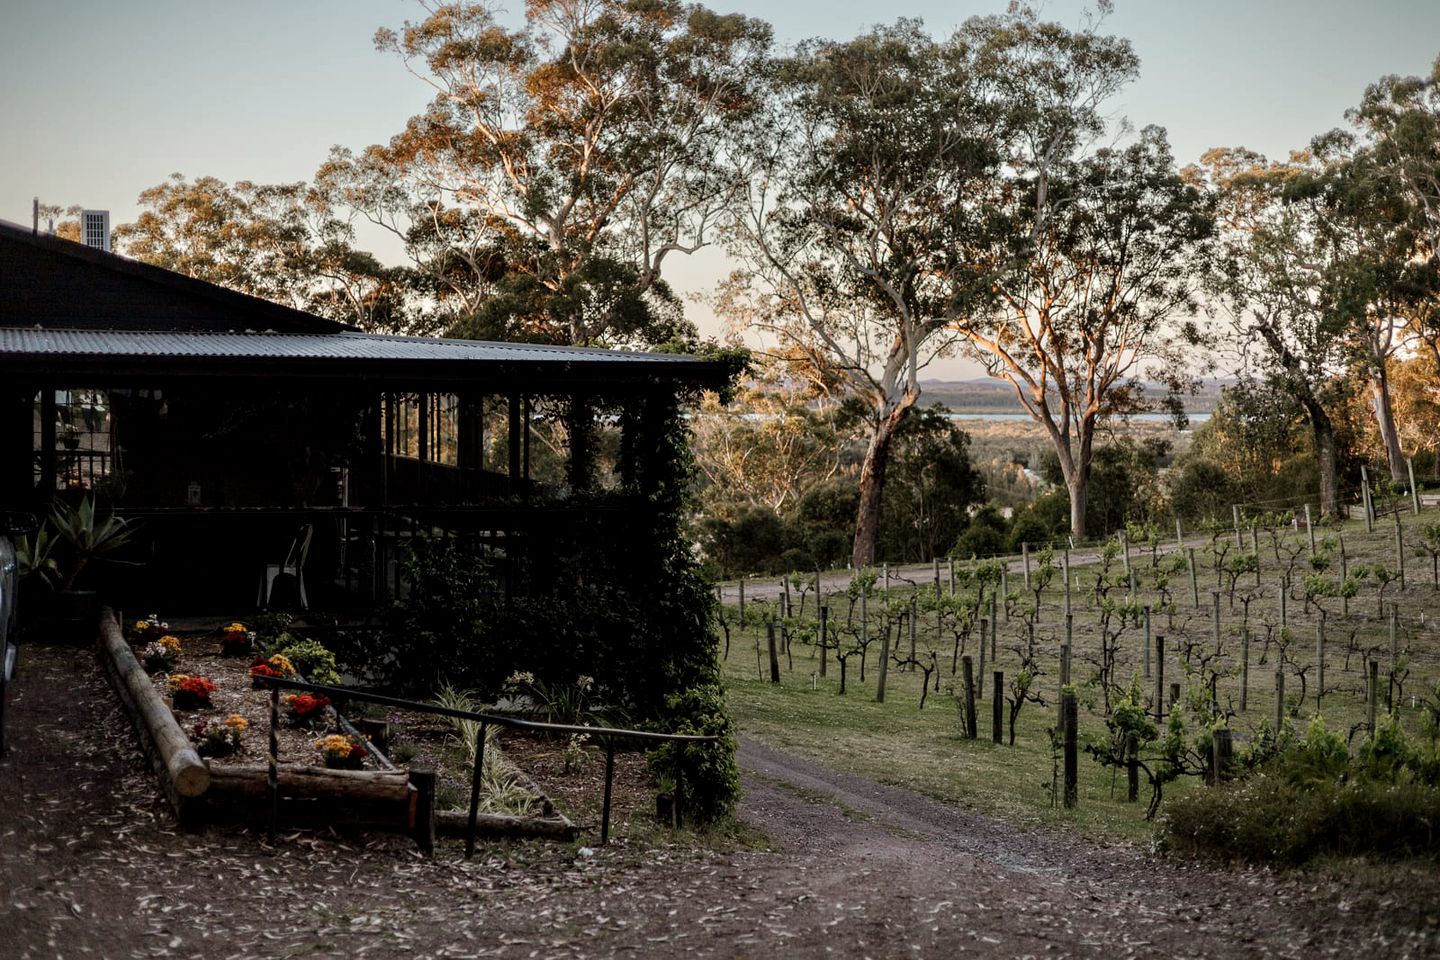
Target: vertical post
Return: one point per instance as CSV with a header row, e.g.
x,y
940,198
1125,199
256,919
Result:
x,y
1244,666
1064,681
1159,676
1072,767
1284,596
1310,528
950,561
1065,575
1235,513
913,618
1025,559
1194,583
775,659
997,708
1147,641
1179,534
884,666
968,669
1344,574
1215,595
1222,753
1365,499
1319,659
994,627
609,780
980,681
1279,698
1255,548
1005,587
864,617
1394,653
422,826
1414,490
885,576
1125,550
272,777
937,578
1399,551
824,637
475,777
741,586
1374,695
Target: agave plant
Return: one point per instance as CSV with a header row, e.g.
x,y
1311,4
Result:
x,y
87,537
34,557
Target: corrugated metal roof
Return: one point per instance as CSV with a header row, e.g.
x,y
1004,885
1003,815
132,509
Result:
x,y
302,346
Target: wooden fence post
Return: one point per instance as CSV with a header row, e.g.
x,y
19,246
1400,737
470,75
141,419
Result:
x,y
824,637
1025,559
1072,767
1244,666
1159,676
1394,653
1414,490
1194,583
741,585
1065,575
774,658
967,667
1064,680
997,708
1279,698
1222,753
1365,499
1374,695
1310,529
980,681
1147,641
884,666
1319,660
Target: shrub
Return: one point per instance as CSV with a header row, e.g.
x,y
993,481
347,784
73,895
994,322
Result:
x,y
709,775
315,663
1312,799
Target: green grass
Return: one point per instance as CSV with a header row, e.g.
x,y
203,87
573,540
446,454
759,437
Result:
x,y
897,743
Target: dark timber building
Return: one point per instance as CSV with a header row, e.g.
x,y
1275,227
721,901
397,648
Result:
x,y
227,424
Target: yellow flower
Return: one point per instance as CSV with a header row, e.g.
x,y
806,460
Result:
x,y
236,628
141,626
237,723
176,679
281,664
170,642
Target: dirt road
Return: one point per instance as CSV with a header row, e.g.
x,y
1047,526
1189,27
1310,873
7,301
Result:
x,y
91,864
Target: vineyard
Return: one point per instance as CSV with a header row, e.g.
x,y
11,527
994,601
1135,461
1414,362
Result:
x,y
1174,643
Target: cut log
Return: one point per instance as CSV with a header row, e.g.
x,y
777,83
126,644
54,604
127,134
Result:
x,y
184,774
456,823
314,783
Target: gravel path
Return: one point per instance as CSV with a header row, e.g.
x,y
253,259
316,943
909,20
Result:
x,y
91,864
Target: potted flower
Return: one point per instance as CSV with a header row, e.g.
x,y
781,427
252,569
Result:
x,y
220,739
190,693
151,628
161,656
277,666
236,640
341,751
306,709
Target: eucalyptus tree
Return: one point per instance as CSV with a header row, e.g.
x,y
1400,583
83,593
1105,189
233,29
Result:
x,y
1265,279
868,187
284,242
1094,265
584,148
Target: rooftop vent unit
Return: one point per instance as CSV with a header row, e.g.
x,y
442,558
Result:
x,y
95,229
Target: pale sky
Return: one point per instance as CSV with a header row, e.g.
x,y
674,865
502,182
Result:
x,y
101,99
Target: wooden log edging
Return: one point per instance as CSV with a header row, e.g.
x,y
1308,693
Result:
x,y
456,823
182,773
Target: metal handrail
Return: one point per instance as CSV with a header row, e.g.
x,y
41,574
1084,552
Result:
x,y
276,684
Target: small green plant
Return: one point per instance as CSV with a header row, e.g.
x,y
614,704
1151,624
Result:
x,y
314,662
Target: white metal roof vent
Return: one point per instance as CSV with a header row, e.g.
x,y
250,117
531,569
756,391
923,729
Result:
x,y
95,229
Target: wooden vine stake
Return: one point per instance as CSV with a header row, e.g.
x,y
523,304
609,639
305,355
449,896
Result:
x,y
997,708
968,668
1072,766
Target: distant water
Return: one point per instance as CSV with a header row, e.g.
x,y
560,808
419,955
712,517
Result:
x,y
1195,418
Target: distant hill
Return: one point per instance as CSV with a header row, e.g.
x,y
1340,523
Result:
x,y
995,396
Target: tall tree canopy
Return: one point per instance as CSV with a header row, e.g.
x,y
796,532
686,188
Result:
x,y
570,157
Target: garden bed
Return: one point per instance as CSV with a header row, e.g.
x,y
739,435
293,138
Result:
x,y
227,784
